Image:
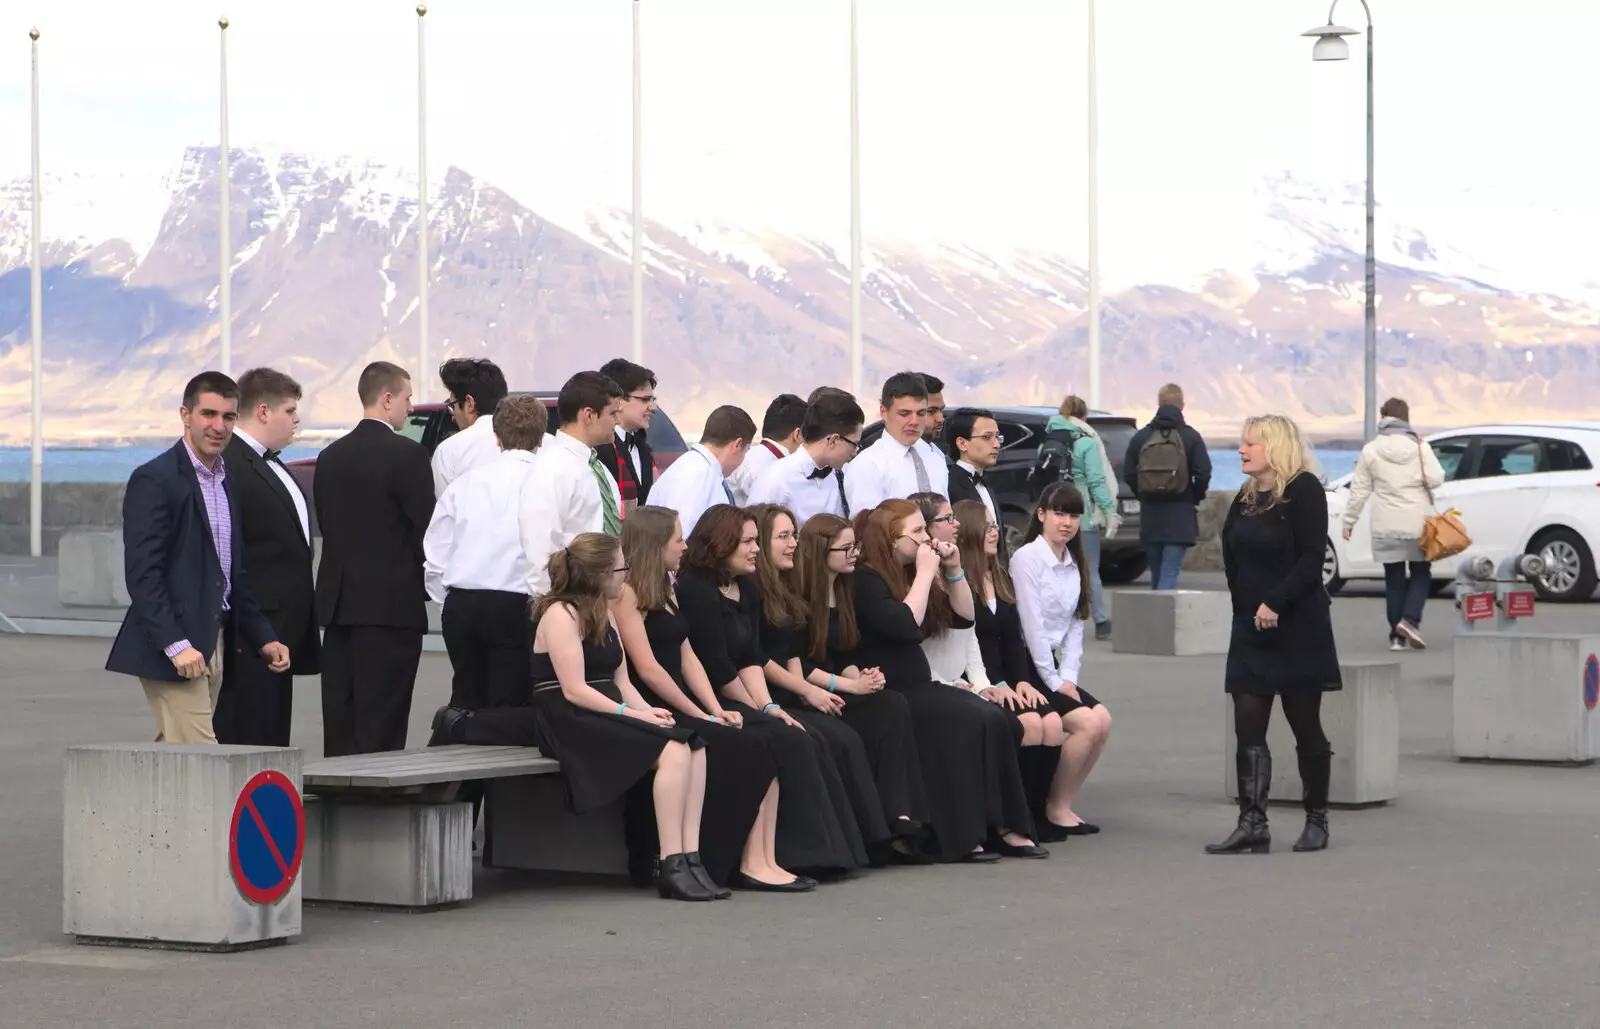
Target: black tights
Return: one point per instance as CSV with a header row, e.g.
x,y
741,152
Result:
x,y
1303,708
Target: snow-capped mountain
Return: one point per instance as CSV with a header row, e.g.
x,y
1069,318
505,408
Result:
x,y
325,280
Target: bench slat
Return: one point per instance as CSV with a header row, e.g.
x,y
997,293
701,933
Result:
x,y
424,767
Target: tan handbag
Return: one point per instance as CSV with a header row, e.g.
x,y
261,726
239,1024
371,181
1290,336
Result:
x,y
1443,535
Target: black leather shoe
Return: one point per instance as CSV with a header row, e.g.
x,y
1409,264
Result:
x,y
1029,850
980,857
675,880
1081,829
703,877
1046,831
906,828
445,721
799,884
904,854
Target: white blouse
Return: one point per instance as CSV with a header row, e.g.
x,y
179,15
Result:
x,y
955,658
1047,600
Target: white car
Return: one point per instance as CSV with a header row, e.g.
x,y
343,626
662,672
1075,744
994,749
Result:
x,y
1526,487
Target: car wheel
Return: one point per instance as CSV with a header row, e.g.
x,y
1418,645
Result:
x,y
1120,573
1569,570
1330,570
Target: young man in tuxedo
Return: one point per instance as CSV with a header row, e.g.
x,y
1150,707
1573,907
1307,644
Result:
x,y
275,522
374,499
627,456
186,571
973,437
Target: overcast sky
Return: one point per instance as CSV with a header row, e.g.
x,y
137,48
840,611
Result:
x,y
972,112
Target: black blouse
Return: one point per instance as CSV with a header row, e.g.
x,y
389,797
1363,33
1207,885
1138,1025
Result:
x,y
722,632
891,639
1274,556
1005,650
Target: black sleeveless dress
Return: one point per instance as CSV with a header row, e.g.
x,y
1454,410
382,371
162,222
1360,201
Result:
x,y
739,767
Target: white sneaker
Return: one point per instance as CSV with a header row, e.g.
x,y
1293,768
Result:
x,y
1396,644
1411,633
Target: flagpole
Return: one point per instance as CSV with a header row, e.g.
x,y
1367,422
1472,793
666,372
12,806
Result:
x,y
638,198
224,244
36,301
1094,221
424,377
855,212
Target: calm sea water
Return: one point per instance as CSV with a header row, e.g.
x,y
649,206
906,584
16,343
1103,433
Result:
x,y
115,464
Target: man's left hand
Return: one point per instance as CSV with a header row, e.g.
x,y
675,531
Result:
x,y
277,657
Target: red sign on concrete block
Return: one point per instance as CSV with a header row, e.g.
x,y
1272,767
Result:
x,y
1475,607
1519,604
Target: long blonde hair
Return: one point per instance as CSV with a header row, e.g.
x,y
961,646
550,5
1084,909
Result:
x,y
1287,453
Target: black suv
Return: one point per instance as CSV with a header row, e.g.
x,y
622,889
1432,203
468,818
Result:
x,y
1122,559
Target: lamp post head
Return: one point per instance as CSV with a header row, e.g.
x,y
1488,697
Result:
x,y
1330,45
33,34
422,10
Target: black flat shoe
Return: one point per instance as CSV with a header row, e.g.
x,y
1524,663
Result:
x,y
1047,831
445,721
1030,850
799,884
1081,829
980,857
703,877
906,828
908,857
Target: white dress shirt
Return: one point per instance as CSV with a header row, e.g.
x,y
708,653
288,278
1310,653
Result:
x,y
756,460
284,477
885,471
472,542
1047,600
983,494
955,657
691,484
560,500
472,447
789,482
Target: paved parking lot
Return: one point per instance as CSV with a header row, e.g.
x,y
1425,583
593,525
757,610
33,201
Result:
x,y
1472,902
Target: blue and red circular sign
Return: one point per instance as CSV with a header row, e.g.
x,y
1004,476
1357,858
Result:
x,y
1591,682
267,838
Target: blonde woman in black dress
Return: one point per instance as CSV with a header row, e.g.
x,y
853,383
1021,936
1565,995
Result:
x,y
587,715
1282,645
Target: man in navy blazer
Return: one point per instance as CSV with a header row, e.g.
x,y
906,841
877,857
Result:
x,y
183,554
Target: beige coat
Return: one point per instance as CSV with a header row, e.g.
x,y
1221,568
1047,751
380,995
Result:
x,y
1391,473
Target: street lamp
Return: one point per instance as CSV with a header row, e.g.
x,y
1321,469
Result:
x,y
1331,46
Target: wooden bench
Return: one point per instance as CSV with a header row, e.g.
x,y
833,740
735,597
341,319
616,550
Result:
x,y
386,829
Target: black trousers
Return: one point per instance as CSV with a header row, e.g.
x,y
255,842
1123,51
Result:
x,y
490,642
255,704
368,673
1406,585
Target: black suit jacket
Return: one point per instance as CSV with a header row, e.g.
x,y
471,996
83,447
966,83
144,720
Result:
x,y
963,488
621,466
175,581
276,551
374,499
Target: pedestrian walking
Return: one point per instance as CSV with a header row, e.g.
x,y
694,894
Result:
x,y
1169,470
1086,465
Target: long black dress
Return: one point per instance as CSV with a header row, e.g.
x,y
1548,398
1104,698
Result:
x,y
845,747
1273,555
968,745
602,754
816,827
739,766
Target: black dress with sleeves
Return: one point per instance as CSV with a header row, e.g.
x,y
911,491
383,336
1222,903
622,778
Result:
x,y
968,746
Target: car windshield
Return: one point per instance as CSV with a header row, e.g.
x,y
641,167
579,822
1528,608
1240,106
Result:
x,y
1116,436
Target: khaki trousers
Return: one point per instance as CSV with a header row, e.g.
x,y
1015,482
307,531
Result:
x,y
183,709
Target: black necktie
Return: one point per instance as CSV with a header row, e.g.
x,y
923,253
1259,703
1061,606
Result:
x,y
820,473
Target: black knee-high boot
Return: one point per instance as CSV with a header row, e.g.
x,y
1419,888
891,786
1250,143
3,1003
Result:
x,y
1315,768
1255,783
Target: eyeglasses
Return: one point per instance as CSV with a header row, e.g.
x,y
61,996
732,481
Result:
x,y
855,444
784,537
997,438
921,533
620,571
453,403
991,527
648,399
944,519
848,548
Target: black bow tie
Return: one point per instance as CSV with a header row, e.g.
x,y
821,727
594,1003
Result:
x,y
633,440
272,455
977,478
820,473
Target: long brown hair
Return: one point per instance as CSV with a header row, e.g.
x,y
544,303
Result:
x,y
1065,498
811,580
780,604
877,534
972,534
645,536
578,575
715,538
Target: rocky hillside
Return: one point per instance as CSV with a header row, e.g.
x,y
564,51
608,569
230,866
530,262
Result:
x,y
325,280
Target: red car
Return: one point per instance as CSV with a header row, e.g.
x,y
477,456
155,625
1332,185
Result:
x,y
431,424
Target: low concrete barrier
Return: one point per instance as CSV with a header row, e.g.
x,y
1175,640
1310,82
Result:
x,y
90,571
1527,697
188,846
414,856
1362,723
1170,623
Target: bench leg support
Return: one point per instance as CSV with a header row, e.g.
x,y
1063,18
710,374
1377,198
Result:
x,y
405,856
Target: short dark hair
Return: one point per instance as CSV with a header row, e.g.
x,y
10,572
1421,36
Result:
x,y
785,414
822,391
628,375
959,424
904,384
933,382
266,386
586,390
726,424
475,377
1394,407
520,423
209,382
831,413
378,378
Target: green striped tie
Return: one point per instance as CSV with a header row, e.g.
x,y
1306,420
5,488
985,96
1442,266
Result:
x,y
611,522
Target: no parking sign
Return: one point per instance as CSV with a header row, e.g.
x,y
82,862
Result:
x,y
1591,682
267,838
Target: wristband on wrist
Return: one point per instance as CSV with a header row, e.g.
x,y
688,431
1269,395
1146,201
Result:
x,y
833,682
771,707
956,578
621,708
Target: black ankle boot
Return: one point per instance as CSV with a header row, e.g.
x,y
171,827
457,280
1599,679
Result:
x,y
703,877
1315,768
446,721
676,880
1255,782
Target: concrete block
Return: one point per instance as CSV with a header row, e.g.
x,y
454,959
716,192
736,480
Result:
x,y
529,827
1361,721
403,855
146,846
1527,697
1171,623
90,571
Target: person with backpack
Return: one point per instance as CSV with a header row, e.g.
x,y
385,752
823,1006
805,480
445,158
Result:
x,y
1169,470
1073,452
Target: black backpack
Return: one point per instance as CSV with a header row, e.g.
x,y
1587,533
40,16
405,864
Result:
x,y
1054,461
1163,466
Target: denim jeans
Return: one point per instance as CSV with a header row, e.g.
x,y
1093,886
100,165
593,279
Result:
x,y
1406,586
1091,554
1166,561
